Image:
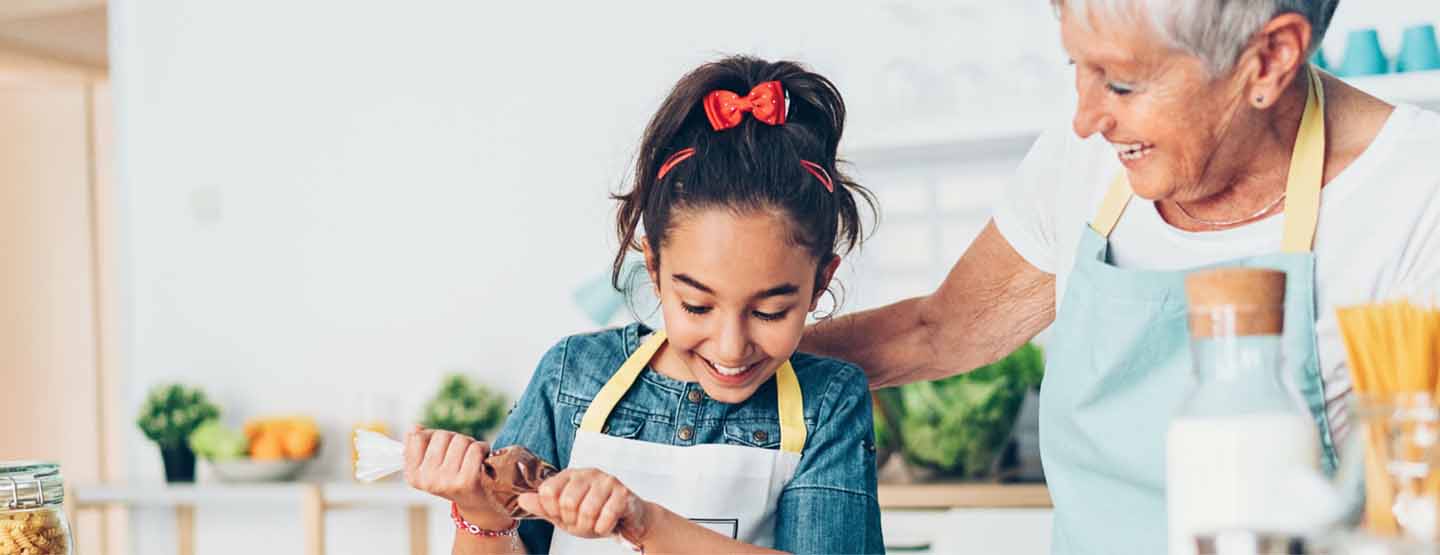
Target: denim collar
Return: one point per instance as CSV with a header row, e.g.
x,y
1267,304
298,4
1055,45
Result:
x,y
632,337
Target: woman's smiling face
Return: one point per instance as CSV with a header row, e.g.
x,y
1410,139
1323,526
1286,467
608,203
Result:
x,y
1166,116
734,290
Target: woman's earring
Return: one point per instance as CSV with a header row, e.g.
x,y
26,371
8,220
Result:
x,y
1260,101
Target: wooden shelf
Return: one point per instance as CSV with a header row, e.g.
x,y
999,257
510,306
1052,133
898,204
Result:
x,y
162,495
964,495
314,501
936,495
192,494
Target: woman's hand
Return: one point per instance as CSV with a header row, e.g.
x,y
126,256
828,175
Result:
x,y
448,465
588,503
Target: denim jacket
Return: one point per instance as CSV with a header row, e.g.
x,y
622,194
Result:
x,y
828,507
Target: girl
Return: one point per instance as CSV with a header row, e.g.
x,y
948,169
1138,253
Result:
x,y
711,435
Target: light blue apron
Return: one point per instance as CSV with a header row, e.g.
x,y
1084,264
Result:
x,y
1119,366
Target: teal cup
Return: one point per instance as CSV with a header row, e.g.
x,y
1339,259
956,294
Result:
x,y
1363,55
1418,51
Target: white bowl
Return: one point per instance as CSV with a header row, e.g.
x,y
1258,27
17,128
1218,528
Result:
x,y
246,470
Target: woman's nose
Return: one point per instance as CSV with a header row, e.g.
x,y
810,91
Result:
x,y
1091,116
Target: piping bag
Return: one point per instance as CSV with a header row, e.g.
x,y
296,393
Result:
x,y
507,473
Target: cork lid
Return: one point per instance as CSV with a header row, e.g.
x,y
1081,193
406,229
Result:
x,y
1236,301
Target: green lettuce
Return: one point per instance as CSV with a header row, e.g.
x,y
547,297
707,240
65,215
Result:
x,y
958,425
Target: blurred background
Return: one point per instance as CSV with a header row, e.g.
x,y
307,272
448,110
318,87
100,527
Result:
x,y
315,212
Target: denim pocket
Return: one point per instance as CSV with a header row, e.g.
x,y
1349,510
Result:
x,y
619,424
764,434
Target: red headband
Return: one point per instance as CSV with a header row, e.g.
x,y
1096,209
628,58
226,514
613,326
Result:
x,y
685,153
726,109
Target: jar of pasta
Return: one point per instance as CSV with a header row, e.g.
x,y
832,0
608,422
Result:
x,y
32,516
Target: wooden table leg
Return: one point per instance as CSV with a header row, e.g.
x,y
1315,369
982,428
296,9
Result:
x,y
312,513
185,529
419,530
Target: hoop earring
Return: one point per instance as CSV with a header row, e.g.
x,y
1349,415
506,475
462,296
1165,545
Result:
x,y
827,314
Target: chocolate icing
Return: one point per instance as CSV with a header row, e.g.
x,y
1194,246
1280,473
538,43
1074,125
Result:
x,y
510,472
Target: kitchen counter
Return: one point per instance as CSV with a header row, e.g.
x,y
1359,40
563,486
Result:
x,y
963,495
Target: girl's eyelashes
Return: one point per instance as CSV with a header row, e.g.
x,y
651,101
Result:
x,y
764,316
770,316
693,309
1119,89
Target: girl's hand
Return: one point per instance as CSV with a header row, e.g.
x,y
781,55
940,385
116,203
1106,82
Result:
x,y
448,465
588,503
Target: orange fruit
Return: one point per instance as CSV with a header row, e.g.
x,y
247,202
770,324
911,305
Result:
x,y
267,447
254,429
300,442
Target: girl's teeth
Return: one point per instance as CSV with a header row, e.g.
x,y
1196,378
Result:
x,y
728,371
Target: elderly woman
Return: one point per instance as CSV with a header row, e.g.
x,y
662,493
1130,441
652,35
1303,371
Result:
x,y
1201,137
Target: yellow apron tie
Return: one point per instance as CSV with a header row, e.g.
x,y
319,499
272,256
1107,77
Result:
x,y
1302,185
787,387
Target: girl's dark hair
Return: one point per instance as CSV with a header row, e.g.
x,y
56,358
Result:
x,y
754,166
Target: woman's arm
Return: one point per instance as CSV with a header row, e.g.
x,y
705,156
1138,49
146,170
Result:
x,y
991,303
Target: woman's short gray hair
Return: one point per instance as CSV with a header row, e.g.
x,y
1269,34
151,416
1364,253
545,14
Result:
x,y
1217,31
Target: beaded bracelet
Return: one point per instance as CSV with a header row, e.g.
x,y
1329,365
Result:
x,y
461,523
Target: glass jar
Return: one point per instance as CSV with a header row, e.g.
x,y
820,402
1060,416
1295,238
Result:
x,y
1240,443
32,515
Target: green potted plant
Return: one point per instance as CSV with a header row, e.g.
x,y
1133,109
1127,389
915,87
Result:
x,y
465,407
170,413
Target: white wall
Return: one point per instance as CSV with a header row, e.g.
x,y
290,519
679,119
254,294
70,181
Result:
x,y
328,200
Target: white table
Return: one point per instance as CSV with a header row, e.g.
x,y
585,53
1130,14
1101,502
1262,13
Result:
x,y
314,501
946,516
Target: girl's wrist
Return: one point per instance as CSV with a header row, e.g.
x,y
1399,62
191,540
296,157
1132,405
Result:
x,y
639,527
485,519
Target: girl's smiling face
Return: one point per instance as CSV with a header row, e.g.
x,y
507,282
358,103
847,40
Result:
x,y
734,289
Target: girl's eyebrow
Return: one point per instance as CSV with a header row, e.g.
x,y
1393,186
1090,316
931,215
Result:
x,y
776,291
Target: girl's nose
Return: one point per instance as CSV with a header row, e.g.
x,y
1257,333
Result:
x,y
734,343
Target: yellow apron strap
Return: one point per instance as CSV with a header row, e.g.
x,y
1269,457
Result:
x,y
787,391
792,409
609,396
1116,199
1302,186
1307,172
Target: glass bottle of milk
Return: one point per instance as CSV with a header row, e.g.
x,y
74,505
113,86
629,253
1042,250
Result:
x,y
1241,438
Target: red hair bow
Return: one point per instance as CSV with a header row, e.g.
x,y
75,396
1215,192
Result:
x,y
766,102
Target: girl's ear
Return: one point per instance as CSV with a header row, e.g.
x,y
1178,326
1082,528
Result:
x,y
823,282
652,267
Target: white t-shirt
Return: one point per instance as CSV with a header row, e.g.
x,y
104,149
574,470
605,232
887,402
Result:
x,y
1378,236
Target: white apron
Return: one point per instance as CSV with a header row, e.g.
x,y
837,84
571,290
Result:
x,y
730,489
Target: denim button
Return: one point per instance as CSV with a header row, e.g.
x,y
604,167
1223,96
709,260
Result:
x,y
685,433
760,436
694,396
